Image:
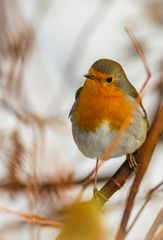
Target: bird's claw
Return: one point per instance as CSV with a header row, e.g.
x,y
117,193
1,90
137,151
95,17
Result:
x,y
132,162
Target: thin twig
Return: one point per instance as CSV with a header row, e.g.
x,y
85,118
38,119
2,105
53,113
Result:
x,y
147,199
159,235
32,219
48,186
141,54
157,222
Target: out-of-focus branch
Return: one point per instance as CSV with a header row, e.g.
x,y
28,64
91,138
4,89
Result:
x,y
17,41
147,199
159,235
32,219
156,224
49,186
141,54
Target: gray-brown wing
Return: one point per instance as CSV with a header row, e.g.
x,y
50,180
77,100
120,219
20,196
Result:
x,y
133,92
77,94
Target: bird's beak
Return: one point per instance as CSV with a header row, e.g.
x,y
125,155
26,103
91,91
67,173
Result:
x,y
88,75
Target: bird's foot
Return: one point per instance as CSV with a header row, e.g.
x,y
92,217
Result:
x,y
132,162
98,196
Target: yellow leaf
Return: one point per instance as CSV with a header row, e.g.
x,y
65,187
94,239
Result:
x,y
84,222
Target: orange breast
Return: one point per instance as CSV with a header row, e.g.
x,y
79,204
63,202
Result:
x,y
99,103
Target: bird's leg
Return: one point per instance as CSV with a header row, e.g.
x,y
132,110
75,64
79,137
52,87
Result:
x,y
96,194
132,162
95,181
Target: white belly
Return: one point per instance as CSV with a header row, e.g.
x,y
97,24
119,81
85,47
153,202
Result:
x,y
94,144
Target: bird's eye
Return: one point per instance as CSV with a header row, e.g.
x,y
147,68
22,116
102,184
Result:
x,y
109,79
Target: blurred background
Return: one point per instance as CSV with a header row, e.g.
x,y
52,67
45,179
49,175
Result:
x,y
45,49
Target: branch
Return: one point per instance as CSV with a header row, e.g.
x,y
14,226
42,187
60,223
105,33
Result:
x,y
159,235
17,185
145,157
32,219
147,199
141,54
158,221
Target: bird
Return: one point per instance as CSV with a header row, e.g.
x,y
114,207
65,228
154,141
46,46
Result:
x,y
102,105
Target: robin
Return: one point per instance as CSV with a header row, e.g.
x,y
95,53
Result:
x,y
102,105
